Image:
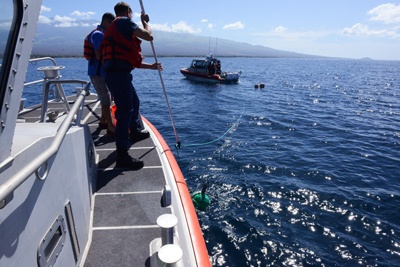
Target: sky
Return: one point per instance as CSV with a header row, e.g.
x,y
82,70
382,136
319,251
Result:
x,y
341,28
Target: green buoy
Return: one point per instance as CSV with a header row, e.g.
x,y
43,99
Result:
x,y
200,200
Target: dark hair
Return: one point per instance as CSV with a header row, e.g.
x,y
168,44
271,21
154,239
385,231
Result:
x,y
108,16
121,7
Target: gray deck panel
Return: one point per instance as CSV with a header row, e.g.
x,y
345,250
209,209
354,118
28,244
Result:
x,y
104,141
116,180
117,210
148,155
106,249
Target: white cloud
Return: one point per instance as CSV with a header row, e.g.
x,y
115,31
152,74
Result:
x,y
181,26
136,15
209,25
280,29
44,20
5,25
76,18
386,13
67,24
84,15
161,27
65,21
356,29
359,29
234,26
45,9
281,34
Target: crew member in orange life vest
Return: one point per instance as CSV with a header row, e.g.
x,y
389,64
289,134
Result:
x,y
121,54
92,53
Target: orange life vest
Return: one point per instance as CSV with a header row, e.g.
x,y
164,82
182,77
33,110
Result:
x,y
88,48
116,46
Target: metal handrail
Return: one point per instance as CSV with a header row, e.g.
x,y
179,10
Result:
x,y
16,180
40,59
43,58
47,88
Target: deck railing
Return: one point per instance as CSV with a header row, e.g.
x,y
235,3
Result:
x,y
36,60
8,187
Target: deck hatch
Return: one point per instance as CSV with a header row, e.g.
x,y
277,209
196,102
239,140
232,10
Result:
x,y
52,243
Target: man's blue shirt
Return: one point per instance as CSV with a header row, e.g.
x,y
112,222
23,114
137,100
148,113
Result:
x,y
95,39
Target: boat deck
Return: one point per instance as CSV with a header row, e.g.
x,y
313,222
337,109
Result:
x,y
126,203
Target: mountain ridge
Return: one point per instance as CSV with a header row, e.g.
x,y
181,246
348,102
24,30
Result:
x,y
50,41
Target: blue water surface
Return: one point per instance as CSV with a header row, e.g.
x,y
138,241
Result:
x,y
305,172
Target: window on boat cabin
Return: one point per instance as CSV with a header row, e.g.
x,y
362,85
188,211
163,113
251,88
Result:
x,y
200,64
10,18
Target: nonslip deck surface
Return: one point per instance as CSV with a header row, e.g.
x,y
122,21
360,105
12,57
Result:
x,y
126,203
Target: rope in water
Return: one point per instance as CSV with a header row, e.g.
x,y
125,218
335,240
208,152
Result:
x,y
178,143
220,137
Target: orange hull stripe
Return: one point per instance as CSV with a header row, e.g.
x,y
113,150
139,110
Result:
x,y
199,246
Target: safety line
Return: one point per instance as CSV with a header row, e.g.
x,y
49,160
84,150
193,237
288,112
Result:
x,y
219,138
210,142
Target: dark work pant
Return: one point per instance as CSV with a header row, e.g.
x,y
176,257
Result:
x,y
127,102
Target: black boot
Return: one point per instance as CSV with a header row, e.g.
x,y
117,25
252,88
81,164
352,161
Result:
x,y
124,160
137,136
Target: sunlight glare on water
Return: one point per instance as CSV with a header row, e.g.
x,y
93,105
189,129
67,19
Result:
x,y
307,173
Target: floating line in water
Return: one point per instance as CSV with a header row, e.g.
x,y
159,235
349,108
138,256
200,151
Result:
x,y
219,138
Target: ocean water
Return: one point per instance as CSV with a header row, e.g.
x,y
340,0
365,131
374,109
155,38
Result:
x,y
305,172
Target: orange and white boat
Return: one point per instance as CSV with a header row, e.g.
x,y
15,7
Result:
x,y
208,70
